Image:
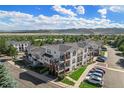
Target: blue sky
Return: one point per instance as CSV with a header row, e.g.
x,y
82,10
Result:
x,y
28,17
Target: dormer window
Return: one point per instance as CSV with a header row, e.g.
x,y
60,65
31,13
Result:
x,y
48,51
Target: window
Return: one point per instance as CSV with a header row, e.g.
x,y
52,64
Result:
x,y
62,57
49,51
30,55
67,63
61,66
35,59
73,61
67,55
54,52
85,56
79,59
85,50
74,53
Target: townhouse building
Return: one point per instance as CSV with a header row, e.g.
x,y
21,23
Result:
x,y
62,58
21,46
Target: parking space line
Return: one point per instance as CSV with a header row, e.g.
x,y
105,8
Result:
x,y
110,68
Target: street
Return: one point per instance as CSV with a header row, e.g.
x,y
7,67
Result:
x,y
24,80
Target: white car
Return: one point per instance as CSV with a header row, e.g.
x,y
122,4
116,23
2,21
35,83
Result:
x,y
95,81
93,76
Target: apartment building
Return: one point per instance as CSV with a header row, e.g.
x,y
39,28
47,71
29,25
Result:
x,y
62,58
21,46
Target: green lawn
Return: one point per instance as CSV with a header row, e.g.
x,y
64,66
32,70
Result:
x,y
88,85
77,73
67,81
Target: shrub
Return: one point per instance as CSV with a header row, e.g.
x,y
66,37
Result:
x,y
61,77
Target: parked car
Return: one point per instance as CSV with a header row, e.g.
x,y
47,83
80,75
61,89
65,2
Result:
x,y
94,76
99,69
101,59
90,72
104,49
95,81
97,74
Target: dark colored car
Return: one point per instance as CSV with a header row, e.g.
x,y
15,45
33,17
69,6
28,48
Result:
x,y
101,59
104,49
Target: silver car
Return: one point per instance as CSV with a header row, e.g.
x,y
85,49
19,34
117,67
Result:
x,y
95,81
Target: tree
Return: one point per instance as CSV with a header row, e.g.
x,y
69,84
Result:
x,y
3,47
121,47
12,51
5,80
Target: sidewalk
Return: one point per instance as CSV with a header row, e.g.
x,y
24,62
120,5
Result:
x,y
82,77
71,79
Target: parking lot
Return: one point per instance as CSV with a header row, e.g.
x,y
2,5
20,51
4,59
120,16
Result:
x,y
115,60
114,77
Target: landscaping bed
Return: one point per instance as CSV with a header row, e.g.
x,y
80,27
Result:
x,y
77,73
20,63
67,81
39,69
102,53
86,84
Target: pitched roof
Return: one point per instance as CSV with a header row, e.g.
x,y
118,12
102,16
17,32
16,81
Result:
x,y
19,42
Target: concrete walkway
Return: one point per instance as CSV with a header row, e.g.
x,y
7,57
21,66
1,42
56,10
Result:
x,y
82,77
70,79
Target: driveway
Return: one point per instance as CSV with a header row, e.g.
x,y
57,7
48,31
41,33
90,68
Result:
x,y
24,80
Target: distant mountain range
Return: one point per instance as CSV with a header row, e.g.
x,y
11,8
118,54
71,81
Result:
x,y
74,31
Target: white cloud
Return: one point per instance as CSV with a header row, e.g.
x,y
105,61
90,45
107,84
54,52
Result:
x,y
62,10
115,8
103,12
22,21
80,9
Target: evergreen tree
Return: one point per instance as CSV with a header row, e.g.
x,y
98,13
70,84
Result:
x,y
5,80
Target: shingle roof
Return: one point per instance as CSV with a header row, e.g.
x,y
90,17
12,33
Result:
x,y
19,42
36,50
64,47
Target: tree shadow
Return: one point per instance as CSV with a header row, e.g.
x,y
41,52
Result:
x,y
50,76
121,63
27,77
120,54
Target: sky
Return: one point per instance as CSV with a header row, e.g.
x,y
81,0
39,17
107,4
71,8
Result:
x,y
35,17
